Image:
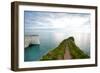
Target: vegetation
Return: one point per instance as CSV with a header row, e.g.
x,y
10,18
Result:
x,y
58,52
75,51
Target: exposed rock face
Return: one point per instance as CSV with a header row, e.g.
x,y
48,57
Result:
x,y
67,54
31,39
67,49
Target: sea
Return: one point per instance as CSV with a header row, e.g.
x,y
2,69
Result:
x,y
51,39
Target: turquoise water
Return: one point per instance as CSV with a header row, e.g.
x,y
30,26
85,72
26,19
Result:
x,y
36,51
50,40
32,53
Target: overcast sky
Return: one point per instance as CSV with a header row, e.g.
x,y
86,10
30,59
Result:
x,y
79,22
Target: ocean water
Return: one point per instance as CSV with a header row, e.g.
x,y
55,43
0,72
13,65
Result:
x,y
51,39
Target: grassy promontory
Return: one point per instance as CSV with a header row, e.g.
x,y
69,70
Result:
x,y
66,46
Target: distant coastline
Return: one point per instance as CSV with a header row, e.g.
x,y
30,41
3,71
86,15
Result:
x,y
31,39
31,35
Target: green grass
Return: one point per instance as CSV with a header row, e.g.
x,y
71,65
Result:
x,y
75,51
54,54
59,51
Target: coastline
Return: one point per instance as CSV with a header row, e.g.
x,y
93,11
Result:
x,y
31,39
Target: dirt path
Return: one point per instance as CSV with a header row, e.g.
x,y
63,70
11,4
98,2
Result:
x,y
67,54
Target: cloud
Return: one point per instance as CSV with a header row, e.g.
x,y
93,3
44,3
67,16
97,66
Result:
x,y
54,20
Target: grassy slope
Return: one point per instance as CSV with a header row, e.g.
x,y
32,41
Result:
x,y
75,51
59,51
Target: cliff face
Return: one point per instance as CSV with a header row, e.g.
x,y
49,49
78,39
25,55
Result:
x,y
31,39
67,49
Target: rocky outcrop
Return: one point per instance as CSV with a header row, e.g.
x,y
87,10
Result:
x,y
67,49
31,39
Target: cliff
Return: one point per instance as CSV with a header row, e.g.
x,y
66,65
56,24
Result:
x,y
31,39
67,49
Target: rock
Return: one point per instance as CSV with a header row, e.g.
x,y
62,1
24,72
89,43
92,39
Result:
x,y
67,49
31,39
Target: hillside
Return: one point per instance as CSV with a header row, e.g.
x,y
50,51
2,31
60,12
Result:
x,y
66,50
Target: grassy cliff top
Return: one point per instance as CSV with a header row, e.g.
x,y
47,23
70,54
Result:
x,y
66,44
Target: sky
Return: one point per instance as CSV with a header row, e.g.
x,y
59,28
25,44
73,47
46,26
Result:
x,y
39,20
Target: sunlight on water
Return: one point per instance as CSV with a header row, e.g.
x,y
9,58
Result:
x,y
50,40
